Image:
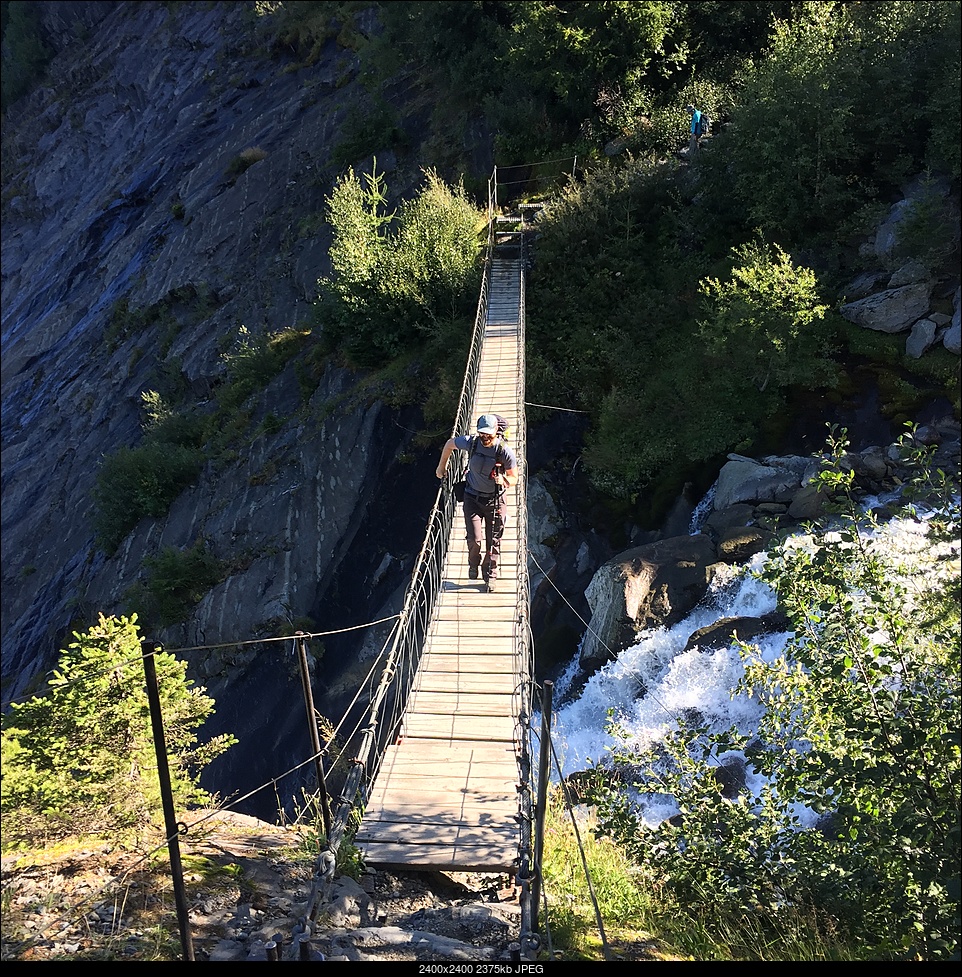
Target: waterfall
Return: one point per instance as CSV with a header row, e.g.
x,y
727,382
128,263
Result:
x,y
702,511
656,681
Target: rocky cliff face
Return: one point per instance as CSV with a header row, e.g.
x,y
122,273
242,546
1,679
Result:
x,y
121,183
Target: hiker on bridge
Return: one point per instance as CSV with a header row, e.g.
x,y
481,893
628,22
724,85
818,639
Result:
x,y
491,469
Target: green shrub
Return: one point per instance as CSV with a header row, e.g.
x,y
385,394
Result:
x,y
849,102
177,580
765,324
245,160
81,757
137,482
396,277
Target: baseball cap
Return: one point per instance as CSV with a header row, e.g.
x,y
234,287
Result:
x,y
487,424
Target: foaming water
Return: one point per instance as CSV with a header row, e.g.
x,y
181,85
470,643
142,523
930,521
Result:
x,y
657,681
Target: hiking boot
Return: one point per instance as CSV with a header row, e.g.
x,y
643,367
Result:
x,y
472,573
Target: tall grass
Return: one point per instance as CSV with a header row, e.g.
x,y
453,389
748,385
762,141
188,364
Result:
x,y
598,905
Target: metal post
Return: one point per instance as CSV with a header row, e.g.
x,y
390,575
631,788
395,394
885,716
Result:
x,y
315,739
147,650
541,802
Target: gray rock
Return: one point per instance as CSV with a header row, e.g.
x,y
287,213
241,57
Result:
x,y
909,274
893,310
649,586
159,222
809,502
865,285
737,545
952,339
745,480
921,338
731,516
721,633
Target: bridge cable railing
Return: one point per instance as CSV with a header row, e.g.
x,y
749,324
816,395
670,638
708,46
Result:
x,y
530,178
397,677
529,857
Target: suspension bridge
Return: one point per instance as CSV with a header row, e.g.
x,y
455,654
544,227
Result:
x,y
442,777
446,795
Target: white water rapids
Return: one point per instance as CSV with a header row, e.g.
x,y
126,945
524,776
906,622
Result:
x,y
656,681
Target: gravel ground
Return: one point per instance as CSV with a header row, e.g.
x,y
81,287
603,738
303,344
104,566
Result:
x,y
248,885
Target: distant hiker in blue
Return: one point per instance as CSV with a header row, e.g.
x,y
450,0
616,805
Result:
x,y
695,129
491,469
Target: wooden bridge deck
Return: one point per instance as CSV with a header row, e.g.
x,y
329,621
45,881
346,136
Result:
x,y
446,794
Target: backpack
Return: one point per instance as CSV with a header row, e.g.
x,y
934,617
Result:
x,y
504,431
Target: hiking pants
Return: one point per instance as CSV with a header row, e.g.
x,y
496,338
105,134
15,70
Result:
x,y
484,521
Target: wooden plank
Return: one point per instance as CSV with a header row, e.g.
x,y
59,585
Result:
x,y
440,796
477,613
472,653
479,647
498,674
457,585
397,833
462,858
481,629
452,682
428,750
495,729
473,703
484,806
408,805
480,824
438,660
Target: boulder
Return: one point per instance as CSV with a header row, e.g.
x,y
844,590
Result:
x,y
865,284
893,310
649,586
543,524
746,480
921,338
952,340
733,516
741,543
808,503
908,274
721,633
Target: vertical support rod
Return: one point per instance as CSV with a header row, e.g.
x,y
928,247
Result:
x,y
312,727
147,650
542,799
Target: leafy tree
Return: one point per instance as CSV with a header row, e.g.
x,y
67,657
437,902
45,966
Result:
x,y
568,53
860,726
396,276
765,325
81,756
849,101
